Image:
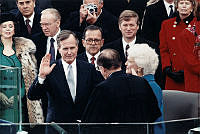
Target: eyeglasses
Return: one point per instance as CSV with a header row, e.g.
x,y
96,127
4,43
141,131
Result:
x,y
46,24
90,41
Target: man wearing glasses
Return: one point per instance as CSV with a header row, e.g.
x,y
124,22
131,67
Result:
x,y
92,41
50,24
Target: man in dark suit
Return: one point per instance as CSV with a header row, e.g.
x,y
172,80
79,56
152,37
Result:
x,y
68,82
129,25
155,14
92,41
121,98
50,23
79,20
28,20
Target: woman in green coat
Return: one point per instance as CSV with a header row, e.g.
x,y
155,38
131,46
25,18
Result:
x,y
17,53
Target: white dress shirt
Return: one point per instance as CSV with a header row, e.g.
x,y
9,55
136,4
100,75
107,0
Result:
x,y
31,19
74,69
125,43
168,8
89,56
55,44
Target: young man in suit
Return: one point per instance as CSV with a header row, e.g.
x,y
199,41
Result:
x,y
92,41
129,24
121,98
155,14
68,82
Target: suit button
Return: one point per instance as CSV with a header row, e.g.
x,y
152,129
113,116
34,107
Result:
x,y
174,54
173,38
174,26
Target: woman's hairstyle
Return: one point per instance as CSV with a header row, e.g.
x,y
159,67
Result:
x,y
145,57
192,1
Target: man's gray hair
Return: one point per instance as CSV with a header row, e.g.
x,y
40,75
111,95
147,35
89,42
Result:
x,y
64,34
52,11
145,57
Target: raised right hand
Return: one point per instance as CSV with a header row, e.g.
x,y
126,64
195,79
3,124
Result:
x,y
45,67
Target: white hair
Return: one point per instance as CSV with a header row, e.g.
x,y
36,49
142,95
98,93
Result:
x,y
99,1
145,57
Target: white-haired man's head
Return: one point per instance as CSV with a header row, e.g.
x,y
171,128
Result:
x,y
141,56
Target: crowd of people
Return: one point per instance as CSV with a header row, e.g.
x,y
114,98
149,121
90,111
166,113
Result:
x,y
92,64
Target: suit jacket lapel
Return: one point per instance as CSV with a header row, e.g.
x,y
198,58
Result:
x,y
121,49
139,40
163,10
80,79
63,82
85,57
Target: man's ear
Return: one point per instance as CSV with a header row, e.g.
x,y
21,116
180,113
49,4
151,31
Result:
x,y
102,42
119,27
83,42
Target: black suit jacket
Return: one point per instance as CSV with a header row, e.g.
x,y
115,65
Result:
x,y
155,14
61,107
122,98
118,45
83,57
22,31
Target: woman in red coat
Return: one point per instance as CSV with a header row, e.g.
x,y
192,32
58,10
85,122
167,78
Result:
x,y
190,51
171,58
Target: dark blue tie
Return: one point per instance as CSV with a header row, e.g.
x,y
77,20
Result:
x,y
171,11
52,51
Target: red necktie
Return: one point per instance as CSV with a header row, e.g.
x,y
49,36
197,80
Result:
x,y
28,26
92,60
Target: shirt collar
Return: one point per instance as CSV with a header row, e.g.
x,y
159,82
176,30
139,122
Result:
x,y
168,4
55,36
90,56
65,64
130,43
31,18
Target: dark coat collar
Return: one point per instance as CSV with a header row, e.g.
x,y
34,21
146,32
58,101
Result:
x,y
117,73
186,20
